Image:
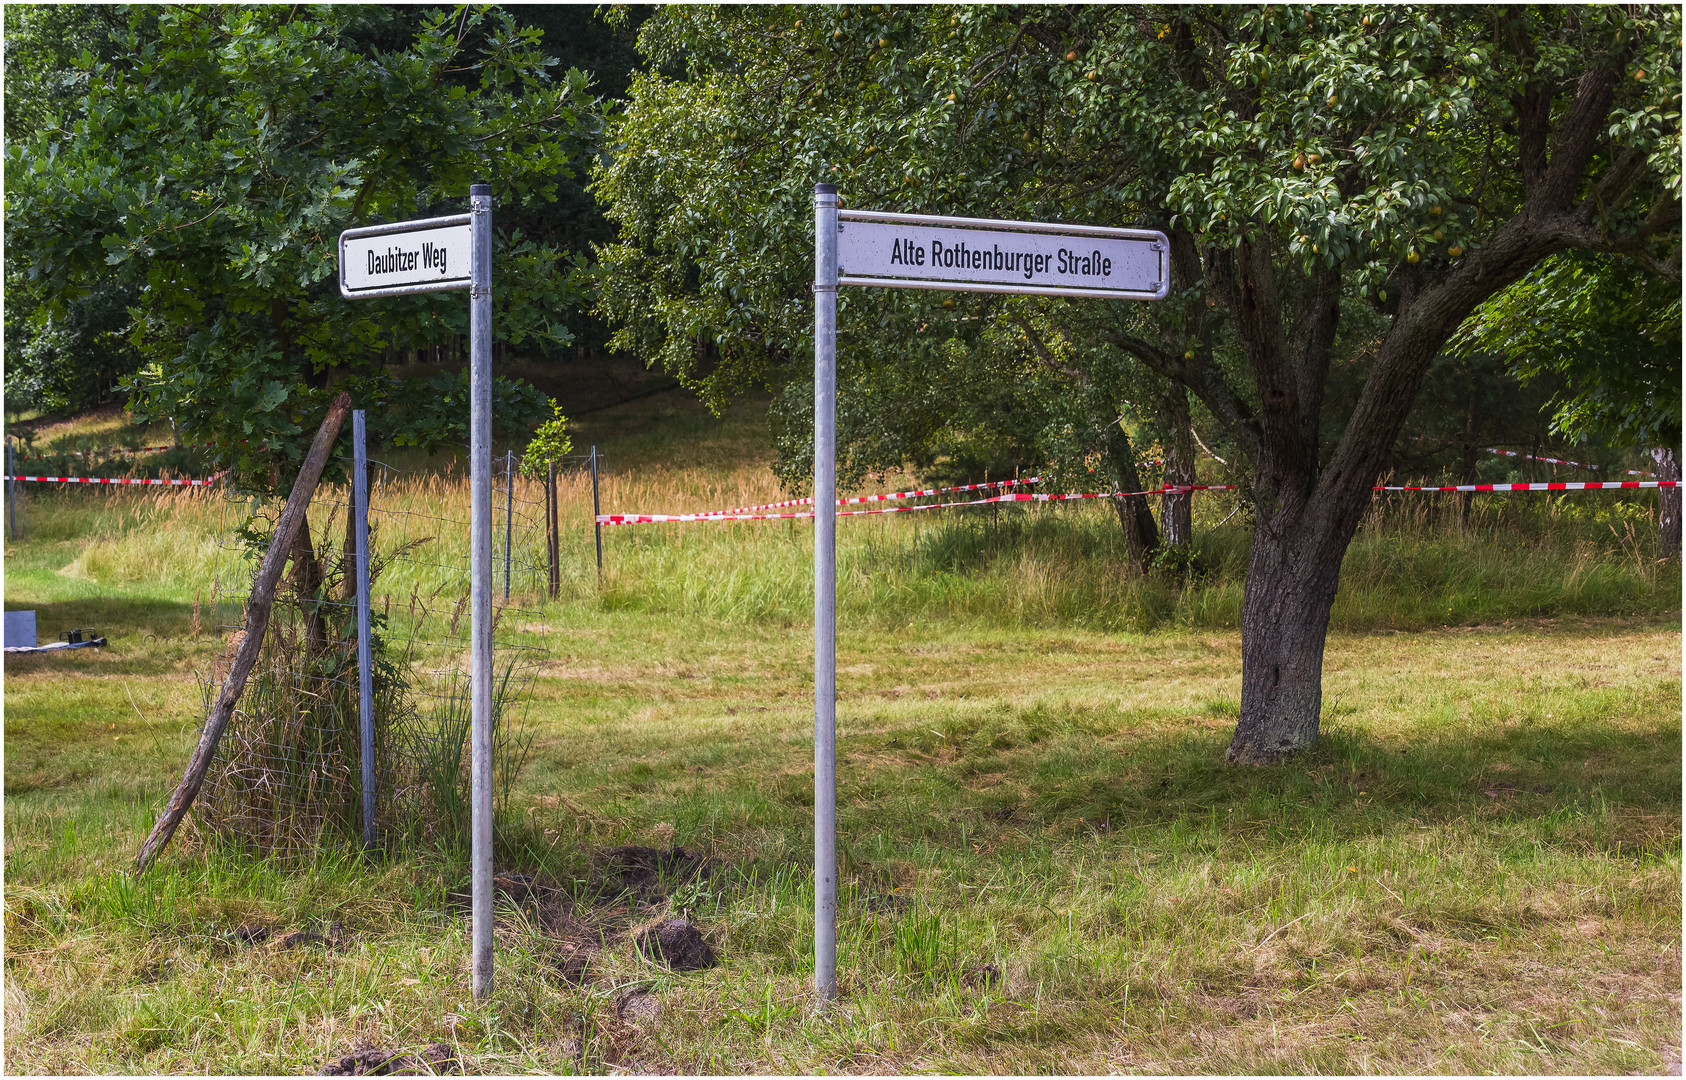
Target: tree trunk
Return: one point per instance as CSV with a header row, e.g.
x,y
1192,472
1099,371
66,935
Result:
x,y
308,575
1141,536
1176,512
1466,474
1290,588
1668,502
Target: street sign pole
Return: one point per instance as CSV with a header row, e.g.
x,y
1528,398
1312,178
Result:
x,y
433,255
365,672
480,575
825,591
924,251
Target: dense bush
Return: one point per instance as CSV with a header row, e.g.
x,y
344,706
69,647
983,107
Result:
x,y
73,362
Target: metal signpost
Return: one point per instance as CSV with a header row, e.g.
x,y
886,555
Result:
x,y
432,255
920,251
365,674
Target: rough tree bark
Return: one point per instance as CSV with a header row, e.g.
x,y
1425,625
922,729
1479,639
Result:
x,y
1141,535
307,579
1176,512
1135,517
1668,502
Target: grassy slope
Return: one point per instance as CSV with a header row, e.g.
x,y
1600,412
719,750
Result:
x,y
1477,870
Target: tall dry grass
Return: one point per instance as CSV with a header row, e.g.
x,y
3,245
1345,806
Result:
x,y
1415,561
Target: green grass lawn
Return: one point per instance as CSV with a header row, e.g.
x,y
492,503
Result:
x,y
1045,864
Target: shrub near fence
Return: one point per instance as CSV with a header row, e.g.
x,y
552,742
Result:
x,y
286,782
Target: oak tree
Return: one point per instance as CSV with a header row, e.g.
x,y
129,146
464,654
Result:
x,y
205,161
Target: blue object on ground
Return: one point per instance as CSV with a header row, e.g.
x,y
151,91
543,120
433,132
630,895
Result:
x,y
20,629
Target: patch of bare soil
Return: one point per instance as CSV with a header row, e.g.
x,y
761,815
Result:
x,y
437,1060
645,874
628,884
678,944
333,935
638,1006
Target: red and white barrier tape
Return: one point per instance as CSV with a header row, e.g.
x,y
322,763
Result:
x,y
1020,496
1547,460
1571,485
892,497
1531,457
114,480
1560,461
1178,489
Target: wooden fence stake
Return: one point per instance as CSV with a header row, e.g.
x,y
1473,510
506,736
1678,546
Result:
x,y
293,517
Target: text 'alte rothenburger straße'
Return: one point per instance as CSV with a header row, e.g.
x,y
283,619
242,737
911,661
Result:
x,y
1028,263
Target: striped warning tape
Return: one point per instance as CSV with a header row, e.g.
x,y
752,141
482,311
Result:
x,y
895,496
1171,489
1017,496
1560,461
1532,457
114,480
1570,485
1547,460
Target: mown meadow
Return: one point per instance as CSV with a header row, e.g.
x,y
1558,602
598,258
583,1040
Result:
x,y
1046,865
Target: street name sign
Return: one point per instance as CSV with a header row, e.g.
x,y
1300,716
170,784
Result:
x,y
429,255
922,251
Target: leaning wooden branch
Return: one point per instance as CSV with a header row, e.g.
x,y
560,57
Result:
x,y
257,621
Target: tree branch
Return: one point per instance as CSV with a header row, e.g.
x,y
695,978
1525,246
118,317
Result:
x,y
1201,377
1046,355
1316,318
1577,138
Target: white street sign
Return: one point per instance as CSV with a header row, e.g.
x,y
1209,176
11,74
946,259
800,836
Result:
x,y
918,251
426,256
922,251
407,257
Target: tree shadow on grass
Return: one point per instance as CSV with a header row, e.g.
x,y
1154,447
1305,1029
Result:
x,y
143,636
1615,788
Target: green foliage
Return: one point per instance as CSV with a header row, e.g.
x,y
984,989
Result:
x,y
551,443
74,361
1362,153
1609,330
435,413
212,155
1018,789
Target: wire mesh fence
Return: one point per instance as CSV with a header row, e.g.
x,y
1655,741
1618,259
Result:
x,y
286,781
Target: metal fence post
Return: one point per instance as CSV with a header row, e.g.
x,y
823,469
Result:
x,y
365,659
480,576
825,591
595,514
10,470
553,534
508,514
